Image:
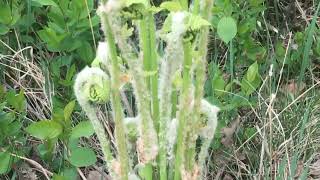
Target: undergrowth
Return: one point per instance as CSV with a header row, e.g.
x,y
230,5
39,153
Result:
x,y
143,78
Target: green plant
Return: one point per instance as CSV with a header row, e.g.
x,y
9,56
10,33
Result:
x,y
12,139
59,129
184,62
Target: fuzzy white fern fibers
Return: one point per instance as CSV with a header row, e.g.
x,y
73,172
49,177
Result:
x,y
178,26
114,5
93,85
211,112
172,137
103,57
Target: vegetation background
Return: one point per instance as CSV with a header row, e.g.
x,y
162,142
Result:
x,y
263,72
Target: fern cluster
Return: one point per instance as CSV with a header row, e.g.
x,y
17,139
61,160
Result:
x,y
160,142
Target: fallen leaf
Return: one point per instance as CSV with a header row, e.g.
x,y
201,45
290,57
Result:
x,y
227,177
227,133
315,169
94,175
293,87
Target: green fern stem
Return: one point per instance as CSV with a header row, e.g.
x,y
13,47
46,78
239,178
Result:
x,y
184,108
115,99
148,44
200,70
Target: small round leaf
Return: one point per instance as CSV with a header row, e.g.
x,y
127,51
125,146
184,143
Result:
x,y
227,29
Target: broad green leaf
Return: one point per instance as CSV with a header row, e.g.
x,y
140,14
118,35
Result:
x,y
17,101
85,52
171,6
252,72
83,129
46,3
45,129
4,29
218,84
82,157
52,39
5,162
68,110
67,174
227,29
5,13
249,87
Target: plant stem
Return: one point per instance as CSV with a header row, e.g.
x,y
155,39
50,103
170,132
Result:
x,y
231,60
99,130
200,70
185,104
148,41
196,7
184,4
116,99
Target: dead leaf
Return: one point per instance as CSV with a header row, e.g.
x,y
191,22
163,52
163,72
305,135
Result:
x,y
94,175
24,171
300,168
293,87
228,132
227,177
315,169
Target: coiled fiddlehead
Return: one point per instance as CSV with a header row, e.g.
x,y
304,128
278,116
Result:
x,y
92,87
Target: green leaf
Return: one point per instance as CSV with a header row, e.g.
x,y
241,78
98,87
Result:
x,y
249,87
67,174
4,29
171,6
45,129
85,52
5,162
46,2
83,129
252,72
227,29
5,13
53,40
218,84
68,110
81,157
17,101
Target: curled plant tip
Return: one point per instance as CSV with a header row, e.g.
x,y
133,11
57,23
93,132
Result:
x,y
102,59
92,85
172,137
211,112
131,127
